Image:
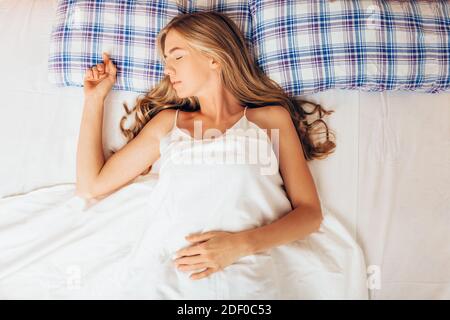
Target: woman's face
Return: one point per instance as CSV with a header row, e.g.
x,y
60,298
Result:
x,y
195,71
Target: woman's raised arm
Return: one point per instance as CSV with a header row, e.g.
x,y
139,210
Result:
x,y
94,176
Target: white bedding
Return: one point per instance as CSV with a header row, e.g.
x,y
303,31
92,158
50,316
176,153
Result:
x,y
53,245
388,182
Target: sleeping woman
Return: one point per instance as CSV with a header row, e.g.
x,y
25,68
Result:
x,y
235,212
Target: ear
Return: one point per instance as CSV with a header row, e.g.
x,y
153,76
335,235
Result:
x,y
213,64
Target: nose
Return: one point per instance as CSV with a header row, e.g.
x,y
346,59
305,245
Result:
x,y
167,70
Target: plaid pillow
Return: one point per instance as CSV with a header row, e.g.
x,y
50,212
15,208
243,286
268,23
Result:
x,y
373,45
127,30
237,10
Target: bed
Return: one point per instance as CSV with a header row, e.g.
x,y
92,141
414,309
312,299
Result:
x,y
388,181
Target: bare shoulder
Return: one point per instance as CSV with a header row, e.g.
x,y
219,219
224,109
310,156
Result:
x,y
269,117
161,124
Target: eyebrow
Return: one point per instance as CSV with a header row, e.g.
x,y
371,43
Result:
x,y
173,49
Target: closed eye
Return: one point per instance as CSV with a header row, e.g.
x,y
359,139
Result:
x,y
164,61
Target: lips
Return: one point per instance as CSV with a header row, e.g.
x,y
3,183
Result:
x,y
176,82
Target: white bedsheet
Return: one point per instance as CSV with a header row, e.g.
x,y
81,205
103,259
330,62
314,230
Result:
x,y
403,219
388,181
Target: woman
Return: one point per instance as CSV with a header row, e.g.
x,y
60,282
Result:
x,y
236,230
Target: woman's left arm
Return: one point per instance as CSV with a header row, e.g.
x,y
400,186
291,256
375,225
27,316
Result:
x,y
306,216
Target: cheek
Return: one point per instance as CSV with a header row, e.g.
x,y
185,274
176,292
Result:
x,y
198,73
194,71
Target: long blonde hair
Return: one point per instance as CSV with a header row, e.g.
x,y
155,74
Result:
x,y
217,36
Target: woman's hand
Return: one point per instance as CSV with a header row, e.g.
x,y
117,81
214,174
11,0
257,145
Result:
x,y
213,250
100,79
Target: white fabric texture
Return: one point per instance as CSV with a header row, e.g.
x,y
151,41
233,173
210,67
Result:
x,y
202,186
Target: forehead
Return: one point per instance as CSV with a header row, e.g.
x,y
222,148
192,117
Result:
x,y
174,41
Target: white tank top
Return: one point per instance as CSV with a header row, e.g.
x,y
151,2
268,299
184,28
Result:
x,y
235,173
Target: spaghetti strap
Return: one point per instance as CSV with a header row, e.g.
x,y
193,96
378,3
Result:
x,y
175,120
245,110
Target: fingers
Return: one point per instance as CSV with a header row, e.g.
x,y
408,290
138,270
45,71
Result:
x,y
109,65
96,72
105,57
190,267
88,75
191,250
101,70
203,274
189,260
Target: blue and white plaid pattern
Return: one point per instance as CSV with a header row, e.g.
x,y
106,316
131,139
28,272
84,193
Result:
x,y
373,45
127,30
305,45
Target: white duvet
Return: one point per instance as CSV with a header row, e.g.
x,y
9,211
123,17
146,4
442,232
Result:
x,y
54,245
